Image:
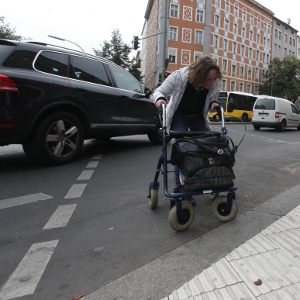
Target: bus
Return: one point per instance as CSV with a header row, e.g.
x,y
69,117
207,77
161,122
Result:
x,y
236,105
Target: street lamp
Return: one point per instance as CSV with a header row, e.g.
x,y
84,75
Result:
x,y
58,38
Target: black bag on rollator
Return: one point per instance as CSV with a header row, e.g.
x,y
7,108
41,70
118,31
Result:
x,y
205,161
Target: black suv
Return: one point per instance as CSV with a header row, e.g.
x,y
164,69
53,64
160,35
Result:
x,y
53,98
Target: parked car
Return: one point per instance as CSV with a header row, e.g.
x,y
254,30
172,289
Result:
x,y
53,98
275,112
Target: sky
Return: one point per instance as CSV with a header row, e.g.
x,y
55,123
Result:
x,y
89,23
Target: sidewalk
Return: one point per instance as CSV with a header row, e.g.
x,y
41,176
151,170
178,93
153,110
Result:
x,y
265,267
227,262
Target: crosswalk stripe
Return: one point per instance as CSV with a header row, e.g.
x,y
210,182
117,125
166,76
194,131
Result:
x,y
27,275
23,200
75,191
61,216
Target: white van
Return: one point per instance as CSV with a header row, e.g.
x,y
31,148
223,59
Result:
x,y
274,112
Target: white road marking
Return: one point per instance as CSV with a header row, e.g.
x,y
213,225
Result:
x,y
86,175
75,191
27,275
23,200
61,216
92,164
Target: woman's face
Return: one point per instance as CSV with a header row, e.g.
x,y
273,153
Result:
x,y
212,76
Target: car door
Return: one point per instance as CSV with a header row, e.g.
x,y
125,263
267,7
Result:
x,y
93,90
138,113
295,116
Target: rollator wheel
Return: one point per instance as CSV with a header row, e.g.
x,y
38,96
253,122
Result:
x,y
153,198
184,222
213,196
218,209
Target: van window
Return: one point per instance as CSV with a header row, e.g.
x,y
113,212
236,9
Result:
x,y
264,103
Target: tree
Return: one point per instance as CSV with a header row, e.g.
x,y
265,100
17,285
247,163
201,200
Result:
x,y
282,78
7,33
118,52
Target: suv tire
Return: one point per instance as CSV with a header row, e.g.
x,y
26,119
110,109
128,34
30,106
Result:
x,y
56,140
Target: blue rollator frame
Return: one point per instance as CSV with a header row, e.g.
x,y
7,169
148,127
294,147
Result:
x,y
182,212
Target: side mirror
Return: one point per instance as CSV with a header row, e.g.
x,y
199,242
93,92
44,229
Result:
x,y
147,92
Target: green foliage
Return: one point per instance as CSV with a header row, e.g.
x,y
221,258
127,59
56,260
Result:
x,y
283,78
9,33
118,52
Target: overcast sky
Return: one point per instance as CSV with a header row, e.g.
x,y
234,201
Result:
x,y
89,23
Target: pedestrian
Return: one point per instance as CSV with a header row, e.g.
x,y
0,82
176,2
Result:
x,y
195,91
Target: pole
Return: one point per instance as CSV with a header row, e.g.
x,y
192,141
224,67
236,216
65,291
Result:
x,y
163,69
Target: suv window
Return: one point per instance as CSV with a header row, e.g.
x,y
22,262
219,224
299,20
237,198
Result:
x,y
89,70
268,104
125,81
19,59
53,63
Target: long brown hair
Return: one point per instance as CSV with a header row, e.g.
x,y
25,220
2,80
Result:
x,y
199,69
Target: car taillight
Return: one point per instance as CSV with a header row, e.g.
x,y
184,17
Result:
x,y
276,114
7,85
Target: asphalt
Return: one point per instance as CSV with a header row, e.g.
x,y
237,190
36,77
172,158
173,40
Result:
x,y
254,256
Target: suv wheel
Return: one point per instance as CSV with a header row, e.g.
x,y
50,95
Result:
x,y
56,140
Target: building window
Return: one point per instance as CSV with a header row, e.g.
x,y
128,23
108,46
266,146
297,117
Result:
x,y
217,20
223,84
256,73
227,7
248,88
249,72
275,48
257,38
264,43
257,55
236,11
232,85
279,49
285,38
242,50
279,35
244,16
250,35
218,3
234,47
250,53
198,37
268,29
241,87
235,28
174,11
172,59
225,45
172,55
264,58
233,69
216,41
258,24
226,25
256,89
199,16
251,19
290,41
173,33
243,32
276,33
197,55
224,64
242,70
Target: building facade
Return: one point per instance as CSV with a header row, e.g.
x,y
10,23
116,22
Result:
x,y
237,34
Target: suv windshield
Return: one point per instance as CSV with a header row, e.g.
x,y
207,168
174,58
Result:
x,y
268,104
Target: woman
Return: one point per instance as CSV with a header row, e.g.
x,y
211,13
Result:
x,y
195,91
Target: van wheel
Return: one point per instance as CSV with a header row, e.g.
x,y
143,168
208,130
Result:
x,y
282,126
256,127
245,118
298,127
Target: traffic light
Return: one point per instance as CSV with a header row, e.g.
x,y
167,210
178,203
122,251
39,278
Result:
x,y
136,42
166,74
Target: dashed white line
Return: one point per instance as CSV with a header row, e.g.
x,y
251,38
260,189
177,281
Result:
x,y
27,275
61,216
86,175
92,164
23,200
75,191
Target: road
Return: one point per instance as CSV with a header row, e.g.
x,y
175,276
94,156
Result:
x,y
70,230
